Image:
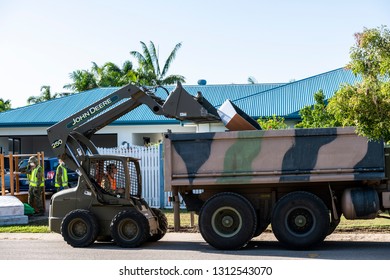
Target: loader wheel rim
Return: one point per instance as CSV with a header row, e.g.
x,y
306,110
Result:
x,y
300,221
128,229
78,229
226,222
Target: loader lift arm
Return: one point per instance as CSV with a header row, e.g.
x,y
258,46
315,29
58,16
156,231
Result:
x,y
70,138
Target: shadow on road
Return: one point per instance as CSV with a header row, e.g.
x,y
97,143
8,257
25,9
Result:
x,y
328,250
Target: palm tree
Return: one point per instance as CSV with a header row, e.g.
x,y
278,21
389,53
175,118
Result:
x,y
82,80
108,75
111,75
45,96
5,105
149,72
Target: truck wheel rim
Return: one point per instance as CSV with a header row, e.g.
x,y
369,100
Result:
x,y
78,229
226,222
128,229
300,221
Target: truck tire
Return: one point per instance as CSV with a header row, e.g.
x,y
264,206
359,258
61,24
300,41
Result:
x,y
163,225
300,220
227,221
79,228
260,228
129,228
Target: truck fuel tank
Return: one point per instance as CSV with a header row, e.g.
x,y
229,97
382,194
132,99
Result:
x,y
360,203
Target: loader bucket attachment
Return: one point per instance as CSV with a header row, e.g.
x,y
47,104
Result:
x,y
183,106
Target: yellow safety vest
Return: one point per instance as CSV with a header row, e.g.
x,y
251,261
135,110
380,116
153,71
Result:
x,y
64,177
33,178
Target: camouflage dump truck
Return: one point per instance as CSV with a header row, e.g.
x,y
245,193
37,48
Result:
x,y
299,181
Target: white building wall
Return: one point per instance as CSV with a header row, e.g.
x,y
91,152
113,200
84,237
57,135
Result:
x,y
23,131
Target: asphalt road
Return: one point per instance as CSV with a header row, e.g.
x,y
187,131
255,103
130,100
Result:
x,y
191,246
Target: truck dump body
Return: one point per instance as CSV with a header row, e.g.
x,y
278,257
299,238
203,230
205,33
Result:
x,y
271,157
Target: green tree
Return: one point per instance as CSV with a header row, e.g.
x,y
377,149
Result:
x,y
108,75
82,80
45,96
273,122
317,115
366,104
112,75
149,71
5,105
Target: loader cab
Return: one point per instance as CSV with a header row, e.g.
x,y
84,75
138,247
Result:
x,y
115,175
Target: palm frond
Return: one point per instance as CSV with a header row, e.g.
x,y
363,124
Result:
x,y
173,79
139,57
127,66
170,59
111,67
148,58
154,57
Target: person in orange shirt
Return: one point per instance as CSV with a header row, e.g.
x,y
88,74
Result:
x,y
109,180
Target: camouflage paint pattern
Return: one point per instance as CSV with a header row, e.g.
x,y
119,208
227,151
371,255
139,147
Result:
x,y
270,157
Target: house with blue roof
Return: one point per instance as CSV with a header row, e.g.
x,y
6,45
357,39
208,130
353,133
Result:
x,y
23,130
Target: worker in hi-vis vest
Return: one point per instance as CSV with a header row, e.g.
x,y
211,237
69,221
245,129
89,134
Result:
x,y
35,176
61,179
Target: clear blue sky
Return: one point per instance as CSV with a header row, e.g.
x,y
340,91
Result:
x,y
224,42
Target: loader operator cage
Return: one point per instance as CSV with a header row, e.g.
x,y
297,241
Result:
x,y
100,168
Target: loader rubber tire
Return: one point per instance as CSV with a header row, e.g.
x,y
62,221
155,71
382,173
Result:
x,y
163,225
79,228
129,228
300,220
227,221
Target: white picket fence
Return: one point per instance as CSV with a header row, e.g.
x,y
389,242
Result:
x,y
151,172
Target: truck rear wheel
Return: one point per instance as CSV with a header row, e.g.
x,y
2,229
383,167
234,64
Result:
x,y
129,228
163,225
79,228
300,220
227,221
260,228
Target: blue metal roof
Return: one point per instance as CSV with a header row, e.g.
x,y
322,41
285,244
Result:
x,y
255,99
288,99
